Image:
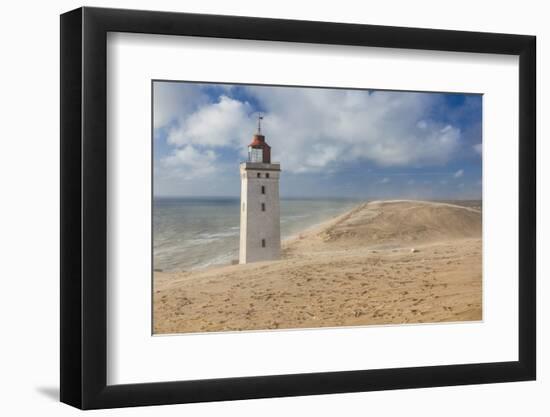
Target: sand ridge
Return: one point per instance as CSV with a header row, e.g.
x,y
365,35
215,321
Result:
x,y
383,262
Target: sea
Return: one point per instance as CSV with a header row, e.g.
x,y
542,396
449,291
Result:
x,y
195,233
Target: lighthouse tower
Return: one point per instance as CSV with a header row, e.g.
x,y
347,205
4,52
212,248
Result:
x,y
260,218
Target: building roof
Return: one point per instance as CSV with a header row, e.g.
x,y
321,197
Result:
x,y
258,141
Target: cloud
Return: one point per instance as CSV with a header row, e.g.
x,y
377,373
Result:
x,y
222,123
385,128
478,148
422,124
171,100
384,180
459,173
313,130
189,162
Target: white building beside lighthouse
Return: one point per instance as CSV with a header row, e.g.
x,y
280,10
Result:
x,y
260,215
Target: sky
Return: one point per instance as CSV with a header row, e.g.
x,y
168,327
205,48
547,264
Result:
x,y
337,143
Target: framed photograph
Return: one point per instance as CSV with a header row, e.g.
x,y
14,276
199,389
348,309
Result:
x,y
257,208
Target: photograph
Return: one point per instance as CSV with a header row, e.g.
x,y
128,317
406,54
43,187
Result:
x,y
302,207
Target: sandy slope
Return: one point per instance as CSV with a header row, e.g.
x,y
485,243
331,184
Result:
x,y
356,269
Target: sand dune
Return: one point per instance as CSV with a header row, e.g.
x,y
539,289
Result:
x,y
385,262
394,223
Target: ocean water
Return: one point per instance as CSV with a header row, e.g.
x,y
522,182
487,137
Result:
x,y
194,233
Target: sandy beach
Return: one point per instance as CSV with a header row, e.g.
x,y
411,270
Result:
x,y
385,262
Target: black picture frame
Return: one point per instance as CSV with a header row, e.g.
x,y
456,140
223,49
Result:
x,y
84,207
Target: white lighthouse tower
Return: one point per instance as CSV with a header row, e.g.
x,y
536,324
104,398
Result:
x,y
260,217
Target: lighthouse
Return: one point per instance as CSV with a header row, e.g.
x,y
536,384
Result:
x,y
260,238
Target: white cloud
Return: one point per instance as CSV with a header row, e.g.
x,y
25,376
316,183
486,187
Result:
x,y
478,148
171,100
312,130
459,173
422,124
385,128
188,163
385,180
321,155
219,124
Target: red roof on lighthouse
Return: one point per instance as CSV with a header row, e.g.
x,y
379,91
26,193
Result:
x,y
258,141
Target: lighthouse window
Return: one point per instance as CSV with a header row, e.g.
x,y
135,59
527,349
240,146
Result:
x,y
263,189
267,175
263,243
259,175
243,206
263,206
255,155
